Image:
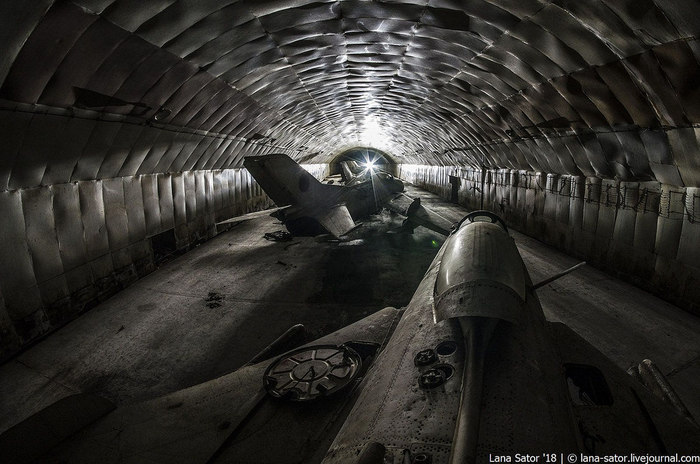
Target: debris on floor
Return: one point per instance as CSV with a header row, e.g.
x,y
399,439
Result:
x,y
213,300
278,236
355,242
286,265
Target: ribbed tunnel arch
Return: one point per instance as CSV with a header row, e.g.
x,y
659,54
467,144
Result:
x,y
582,88
125,119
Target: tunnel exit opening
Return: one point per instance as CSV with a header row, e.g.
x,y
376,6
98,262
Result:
x,y
364,157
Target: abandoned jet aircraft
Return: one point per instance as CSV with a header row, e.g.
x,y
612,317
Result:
x,y
352,172
470,372
309,206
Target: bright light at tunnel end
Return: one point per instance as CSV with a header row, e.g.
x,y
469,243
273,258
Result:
x,y
372,134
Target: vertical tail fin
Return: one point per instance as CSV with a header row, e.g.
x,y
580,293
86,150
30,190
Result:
x,y
283,179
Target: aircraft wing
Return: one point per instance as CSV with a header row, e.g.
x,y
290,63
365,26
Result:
x,y
419,215
253,215
336,220
614,411
227,419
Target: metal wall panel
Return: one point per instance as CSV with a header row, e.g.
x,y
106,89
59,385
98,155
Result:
x,y
502,198
689,242
115,214
668,234
92,211
235,189
141,146
217,200
550,198
178,181
23,18
626,216
13,129
66,152
151,208
69,225
170,154
36,59
522,196
188,143
228,190
490,198
645,231
563,199
537,222
238,180
209,196
72,246
576,202
95,151
119,151
515,212
155,154
167,208
189,196
608,209
214,156
200,194
203,145
17,278
687,158
37,204
133,195
531,212
31,161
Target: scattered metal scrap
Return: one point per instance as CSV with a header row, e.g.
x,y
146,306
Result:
x,y
278,236
213,300
282,263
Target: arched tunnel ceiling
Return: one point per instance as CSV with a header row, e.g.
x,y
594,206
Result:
x,y
106,88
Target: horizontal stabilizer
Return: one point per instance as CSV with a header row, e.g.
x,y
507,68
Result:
x,y
419,215
253,215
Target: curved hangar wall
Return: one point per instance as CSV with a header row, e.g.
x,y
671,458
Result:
x,y
643,232
123,119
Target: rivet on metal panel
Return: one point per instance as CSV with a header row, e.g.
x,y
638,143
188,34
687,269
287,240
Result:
x,y
425,357
432,378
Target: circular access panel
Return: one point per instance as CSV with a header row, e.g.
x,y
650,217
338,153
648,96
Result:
x,y
312,371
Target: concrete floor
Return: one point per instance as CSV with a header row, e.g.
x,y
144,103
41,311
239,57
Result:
x,y
161,334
